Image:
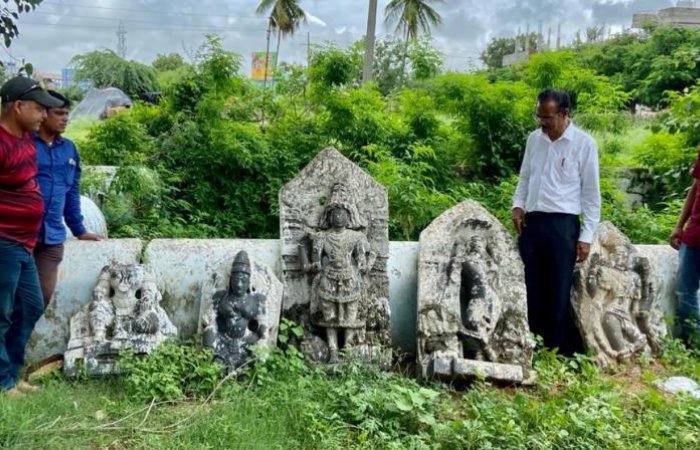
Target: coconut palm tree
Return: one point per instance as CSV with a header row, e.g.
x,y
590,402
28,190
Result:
x,y
285,17
410,17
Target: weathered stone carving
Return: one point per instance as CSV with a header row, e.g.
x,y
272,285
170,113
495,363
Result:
x,y
124,312
472,306
334,249
615,299
238,317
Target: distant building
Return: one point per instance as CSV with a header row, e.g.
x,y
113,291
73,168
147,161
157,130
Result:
x,y
685,14
67,77
10,67
50,80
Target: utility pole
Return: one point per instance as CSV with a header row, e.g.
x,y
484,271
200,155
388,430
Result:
x,y
121,40
369,42
558,36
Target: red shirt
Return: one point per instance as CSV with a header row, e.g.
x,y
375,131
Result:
x,y
691,234
21,206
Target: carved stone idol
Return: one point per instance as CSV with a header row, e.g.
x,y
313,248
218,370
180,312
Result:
x,y
335,248
236,318
472,305
615,299
125,312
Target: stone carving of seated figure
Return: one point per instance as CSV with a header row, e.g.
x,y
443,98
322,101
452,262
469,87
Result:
x,y
618,291
125,312
234,320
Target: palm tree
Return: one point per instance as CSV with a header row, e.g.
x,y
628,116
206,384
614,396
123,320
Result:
x,y
285,17
410,16
369,42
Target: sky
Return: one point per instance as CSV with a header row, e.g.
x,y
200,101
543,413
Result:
x,y
60,29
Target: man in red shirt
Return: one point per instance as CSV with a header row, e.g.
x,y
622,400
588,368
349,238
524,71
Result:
x,y
24,105
687,240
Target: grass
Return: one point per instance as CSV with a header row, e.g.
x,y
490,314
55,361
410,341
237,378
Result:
x,y
282,404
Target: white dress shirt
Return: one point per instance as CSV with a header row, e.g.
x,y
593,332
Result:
x,y
561,177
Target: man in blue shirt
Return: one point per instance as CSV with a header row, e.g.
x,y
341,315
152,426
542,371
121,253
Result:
x,y
59,179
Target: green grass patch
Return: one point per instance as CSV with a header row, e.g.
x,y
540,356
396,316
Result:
x,y
284,404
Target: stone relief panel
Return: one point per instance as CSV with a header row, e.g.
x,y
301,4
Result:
x,y
335,247
472,304
243,314
125,312
616,299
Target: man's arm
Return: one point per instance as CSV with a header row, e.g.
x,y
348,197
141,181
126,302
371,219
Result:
x,y
675,237
520,195
71,210
590,199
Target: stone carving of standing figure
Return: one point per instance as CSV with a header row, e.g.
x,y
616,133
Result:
x,y
340,256
234,320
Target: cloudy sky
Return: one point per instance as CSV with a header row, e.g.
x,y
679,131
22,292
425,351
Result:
x,y
60,29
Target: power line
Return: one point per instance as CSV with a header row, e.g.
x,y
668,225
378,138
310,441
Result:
x,y
107,28
111,19
152,11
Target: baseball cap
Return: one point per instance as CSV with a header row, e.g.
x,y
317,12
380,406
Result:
x,y
23,88
60,97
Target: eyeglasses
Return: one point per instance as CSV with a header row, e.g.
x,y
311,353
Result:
x,y
545,118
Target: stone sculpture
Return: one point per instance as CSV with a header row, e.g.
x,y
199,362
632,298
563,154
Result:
x,y
235,319
125,312
472,307
615,299
335,250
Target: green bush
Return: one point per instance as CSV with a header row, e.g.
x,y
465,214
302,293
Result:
x,y
173,371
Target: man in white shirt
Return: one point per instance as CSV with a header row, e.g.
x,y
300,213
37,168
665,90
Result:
x,y
559,181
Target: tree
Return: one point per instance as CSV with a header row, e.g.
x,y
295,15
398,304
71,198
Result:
x,y
172,61
411,16
369,42
8,15
285,17
595,33
499,47
104,68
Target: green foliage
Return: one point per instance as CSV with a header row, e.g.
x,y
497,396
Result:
x,y
173,371
9,16
171,61
104,68
497,48
123,139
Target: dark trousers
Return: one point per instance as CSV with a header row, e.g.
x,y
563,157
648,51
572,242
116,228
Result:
x,y
548,249
21,306
48,257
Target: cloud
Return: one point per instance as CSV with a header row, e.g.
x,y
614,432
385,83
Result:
x,y
60,29
315,20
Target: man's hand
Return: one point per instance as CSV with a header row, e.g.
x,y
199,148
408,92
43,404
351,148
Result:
x,y
90,237
582,251
518,216
675,238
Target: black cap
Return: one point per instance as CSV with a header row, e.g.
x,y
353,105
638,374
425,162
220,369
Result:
x,y
58,96
23,88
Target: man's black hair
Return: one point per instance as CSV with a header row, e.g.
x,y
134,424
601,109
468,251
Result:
x,y
561,98
54,94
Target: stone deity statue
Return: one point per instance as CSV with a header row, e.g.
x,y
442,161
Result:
x,y
125,312
340,256
234,320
